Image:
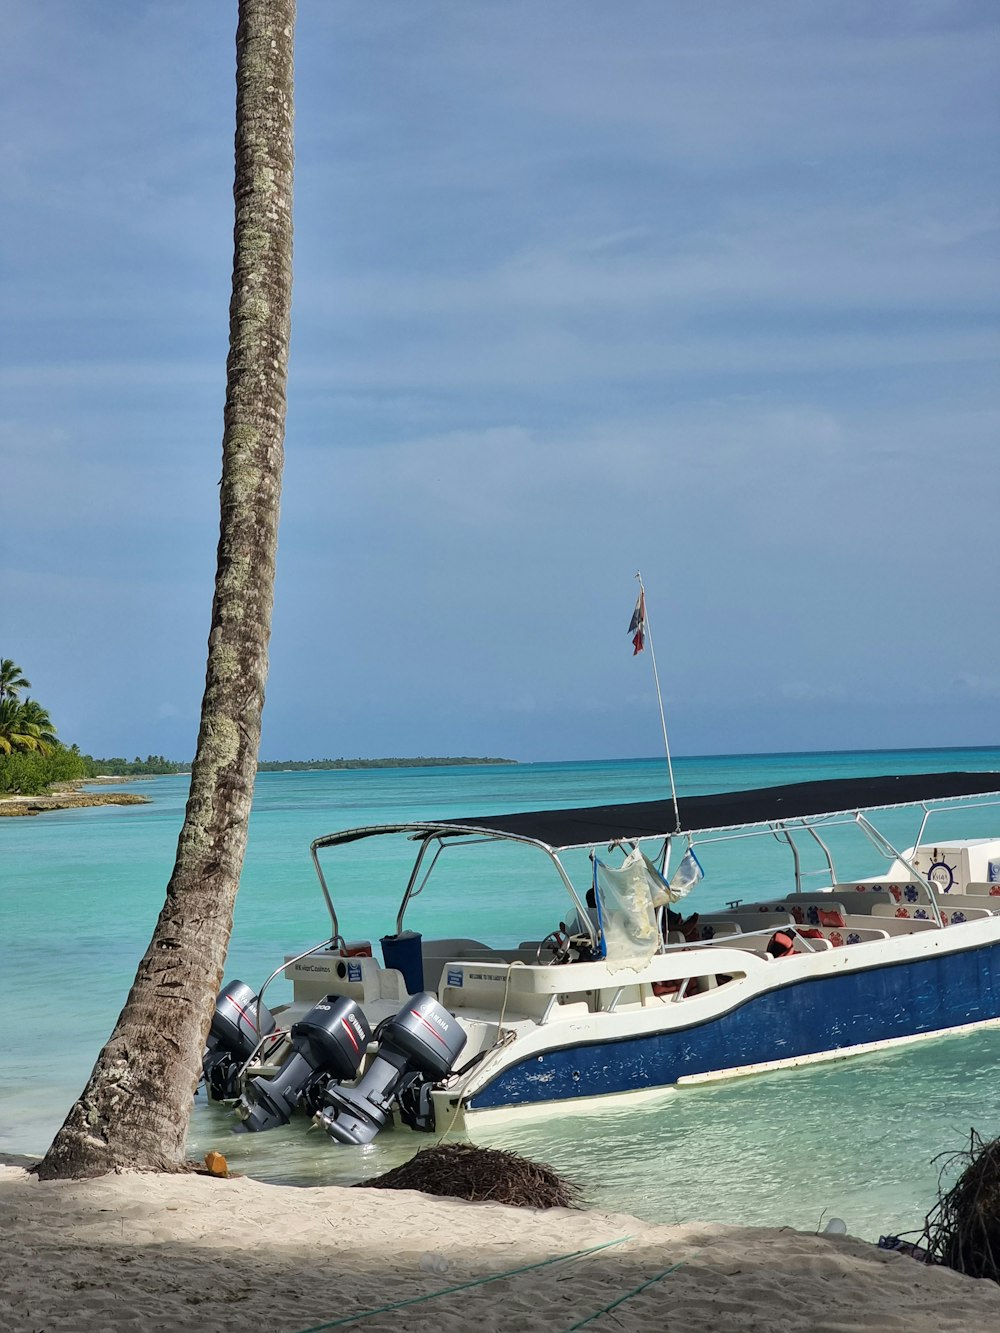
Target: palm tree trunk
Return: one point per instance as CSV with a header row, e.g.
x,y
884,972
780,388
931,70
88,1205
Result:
x,y
134,1112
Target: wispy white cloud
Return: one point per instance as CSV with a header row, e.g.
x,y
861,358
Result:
x,y
816,259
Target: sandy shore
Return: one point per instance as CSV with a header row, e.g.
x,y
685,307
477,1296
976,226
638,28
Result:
x,y
189,1252
70,796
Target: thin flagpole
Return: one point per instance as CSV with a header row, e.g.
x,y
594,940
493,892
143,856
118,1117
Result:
x,y
659,700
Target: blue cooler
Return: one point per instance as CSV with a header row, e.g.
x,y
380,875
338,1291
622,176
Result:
x,y
403,952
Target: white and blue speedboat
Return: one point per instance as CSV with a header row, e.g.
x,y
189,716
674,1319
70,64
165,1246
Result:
x,y
626,996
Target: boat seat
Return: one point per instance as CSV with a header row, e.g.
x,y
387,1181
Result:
x,y
811,945
966,902
910,893
950,914
860,899
870,886
860,886
678,937
860,934
981,888
892,924
889,922
814,911
714,930
956,916
915,894
838,936
436,953
753,920
908,911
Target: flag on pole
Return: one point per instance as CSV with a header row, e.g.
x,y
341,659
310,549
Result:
x,y
637,625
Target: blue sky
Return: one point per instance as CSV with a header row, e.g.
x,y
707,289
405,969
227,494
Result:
x,y
708,290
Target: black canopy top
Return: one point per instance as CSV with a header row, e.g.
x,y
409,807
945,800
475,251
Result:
x,y
590,826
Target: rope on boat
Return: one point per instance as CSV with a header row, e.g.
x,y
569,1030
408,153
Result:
x,y
462,1286
622,1299
499,1042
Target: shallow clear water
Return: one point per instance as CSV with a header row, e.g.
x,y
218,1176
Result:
x,y
80,891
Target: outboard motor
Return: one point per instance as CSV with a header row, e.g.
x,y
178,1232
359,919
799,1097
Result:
x,y
233,1038
423,1039
327,1044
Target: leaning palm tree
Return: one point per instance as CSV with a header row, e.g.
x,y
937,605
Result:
x,y
12,679
134,1111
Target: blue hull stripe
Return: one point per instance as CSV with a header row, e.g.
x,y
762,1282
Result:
x,y
812,1016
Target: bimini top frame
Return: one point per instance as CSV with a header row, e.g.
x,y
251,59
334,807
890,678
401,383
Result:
x,y
554,831
427,834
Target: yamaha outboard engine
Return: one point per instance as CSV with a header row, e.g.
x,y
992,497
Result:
x,y
233,1038
327,1044
423,1039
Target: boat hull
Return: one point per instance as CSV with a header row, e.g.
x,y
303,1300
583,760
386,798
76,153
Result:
x,y
822,1016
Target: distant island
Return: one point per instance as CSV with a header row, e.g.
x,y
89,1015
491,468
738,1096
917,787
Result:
x,y
421,761
156,765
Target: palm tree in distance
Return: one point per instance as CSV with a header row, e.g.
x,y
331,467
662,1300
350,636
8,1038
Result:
x,y
25,726
134,1112
39,725
12,679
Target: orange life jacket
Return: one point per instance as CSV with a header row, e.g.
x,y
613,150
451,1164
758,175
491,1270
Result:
x,y
781,943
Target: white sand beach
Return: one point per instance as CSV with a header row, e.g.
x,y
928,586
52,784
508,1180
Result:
x,y
191,1252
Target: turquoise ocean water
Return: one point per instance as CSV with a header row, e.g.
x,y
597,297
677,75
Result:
x,y
80,891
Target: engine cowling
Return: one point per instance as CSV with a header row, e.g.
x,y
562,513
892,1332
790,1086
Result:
x,y
233,1038
328,1044
422,1041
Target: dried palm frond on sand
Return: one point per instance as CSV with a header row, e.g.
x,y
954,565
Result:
x,y
465,1171
962,1230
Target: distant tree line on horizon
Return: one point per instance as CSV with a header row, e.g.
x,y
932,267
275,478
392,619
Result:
x,y
419,761
32,758
155,765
